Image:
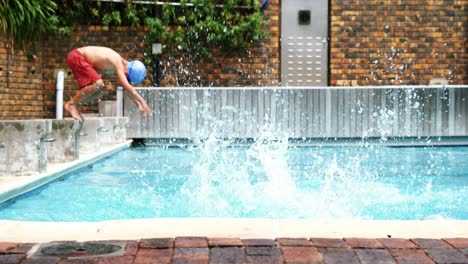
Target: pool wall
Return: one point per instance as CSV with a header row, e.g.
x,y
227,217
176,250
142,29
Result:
x,y
303,112
28,146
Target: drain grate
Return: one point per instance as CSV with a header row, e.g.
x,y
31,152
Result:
x,y
79,249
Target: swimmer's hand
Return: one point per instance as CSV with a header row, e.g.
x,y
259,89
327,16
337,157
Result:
x,y
144,108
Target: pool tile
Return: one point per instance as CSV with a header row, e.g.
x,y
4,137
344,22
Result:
x,y
457,242
339,255
157,243
410,256
329,243
228,255
397,243
446,255
259,242
291,242
225,242
190,255
374,256
191,242
301,255
430,243
363,243
146,256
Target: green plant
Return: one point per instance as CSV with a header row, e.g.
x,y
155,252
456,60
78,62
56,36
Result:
x,y
198,26
203,25
23,20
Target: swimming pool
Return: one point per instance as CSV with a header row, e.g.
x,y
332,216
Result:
x,y
264,180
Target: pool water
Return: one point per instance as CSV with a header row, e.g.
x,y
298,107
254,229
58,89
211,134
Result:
x,y
264,180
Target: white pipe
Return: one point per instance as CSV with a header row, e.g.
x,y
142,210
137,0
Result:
x,y
59,98
119,101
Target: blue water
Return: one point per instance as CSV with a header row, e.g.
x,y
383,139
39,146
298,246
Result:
x,y
258,181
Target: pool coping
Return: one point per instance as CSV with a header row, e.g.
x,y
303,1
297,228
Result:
x,y
12,186
23,231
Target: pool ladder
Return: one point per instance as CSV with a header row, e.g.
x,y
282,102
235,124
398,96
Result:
x,y
45,138
78,134
99,131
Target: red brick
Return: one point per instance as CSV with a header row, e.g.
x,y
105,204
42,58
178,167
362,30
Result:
x,y
147,256
115,260
264,255
457,242
131,248
259,242
41,260
157,243
191,255
447,255
301,255
410,256
191,242
11,258
339,255
225,242
430,243
372,255
363,243
397,243
7,246
227,255
329,242
288,242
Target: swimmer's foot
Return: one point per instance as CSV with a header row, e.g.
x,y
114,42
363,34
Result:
x,y
73,111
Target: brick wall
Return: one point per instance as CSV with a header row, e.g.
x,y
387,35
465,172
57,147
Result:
x,y
371,43
257,66
21,95
398,42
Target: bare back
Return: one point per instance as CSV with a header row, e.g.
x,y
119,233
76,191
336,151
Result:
x,y
103,58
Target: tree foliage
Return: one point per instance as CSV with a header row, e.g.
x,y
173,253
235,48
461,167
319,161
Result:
x,y
22,20
197,26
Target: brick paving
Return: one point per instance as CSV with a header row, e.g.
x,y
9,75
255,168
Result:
x,y
269,251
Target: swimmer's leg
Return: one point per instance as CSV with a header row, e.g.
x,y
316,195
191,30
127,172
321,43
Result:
x,y
84,96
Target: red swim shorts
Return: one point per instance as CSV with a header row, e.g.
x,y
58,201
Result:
x,y
82,69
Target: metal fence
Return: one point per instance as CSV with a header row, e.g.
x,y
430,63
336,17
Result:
x,y
312,112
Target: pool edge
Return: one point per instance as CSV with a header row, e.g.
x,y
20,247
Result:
x,y
22,184
23,231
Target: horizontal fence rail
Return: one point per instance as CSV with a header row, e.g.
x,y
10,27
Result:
x,y
304,112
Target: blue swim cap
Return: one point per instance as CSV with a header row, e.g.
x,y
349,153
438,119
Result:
x,y
136,72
